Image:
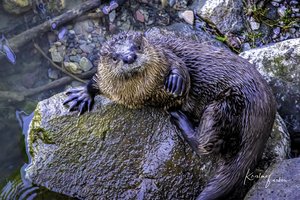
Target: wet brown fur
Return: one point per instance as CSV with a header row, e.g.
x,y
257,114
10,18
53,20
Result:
x,y
227,98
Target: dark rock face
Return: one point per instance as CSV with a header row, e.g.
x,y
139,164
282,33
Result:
x,y
280,182
112,153
119,153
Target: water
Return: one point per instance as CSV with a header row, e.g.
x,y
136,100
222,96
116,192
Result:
x,y
20,70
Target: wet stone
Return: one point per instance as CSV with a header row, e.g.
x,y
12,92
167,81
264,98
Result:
x,y
57,52
171,2
72,67
246,46
294,2
275,4
82,27
71,32
285,36
139,16
188,16
81,41
292,30
57,43
93,58
281,11
16,6
86,48
85,64
95,39
56,56
272,13
75,58
296,15
253,24
79,51
295,10
276,30
112,16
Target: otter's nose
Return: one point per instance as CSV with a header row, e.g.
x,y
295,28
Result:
x,y
129,58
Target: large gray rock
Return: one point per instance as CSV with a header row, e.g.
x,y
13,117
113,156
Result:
x,y
111,153
279,182
119,153
280,60
226,15
279,64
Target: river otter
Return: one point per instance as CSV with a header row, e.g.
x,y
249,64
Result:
x,y
218,100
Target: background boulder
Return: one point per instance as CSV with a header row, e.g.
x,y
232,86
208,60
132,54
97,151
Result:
x,y
279,64
279,182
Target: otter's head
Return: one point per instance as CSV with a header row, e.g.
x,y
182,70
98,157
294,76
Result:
x,y
131,69
127,54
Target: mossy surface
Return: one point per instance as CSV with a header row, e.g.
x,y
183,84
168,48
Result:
x,y
113,152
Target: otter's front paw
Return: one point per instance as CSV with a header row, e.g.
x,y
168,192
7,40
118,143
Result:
x,y
175,84
79,99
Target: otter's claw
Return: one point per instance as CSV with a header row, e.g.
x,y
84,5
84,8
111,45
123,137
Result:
x,y
175,84
79,99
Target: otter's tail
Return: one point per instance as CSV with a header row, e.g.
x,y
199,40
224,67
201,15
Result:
x,y
237,171
228,177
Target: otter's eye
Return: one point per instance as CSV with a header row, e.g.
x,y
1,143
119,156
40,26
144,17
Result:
x,y
114,57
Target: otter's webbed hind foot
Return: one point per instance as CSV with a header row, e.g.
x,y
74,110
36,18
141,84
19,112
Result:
x,y
79,99
181,121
